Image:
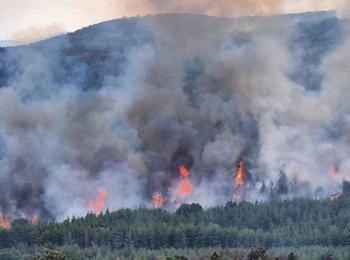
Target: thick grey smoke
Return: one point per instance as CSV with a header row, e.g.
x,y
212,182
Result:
x,y
122,105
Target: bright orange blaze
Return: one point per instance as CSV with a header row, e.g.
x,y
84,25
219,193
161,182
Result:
x,y
183,171
333,172
157,200
239,177
97,204
239,180
4,223
184,187
34,220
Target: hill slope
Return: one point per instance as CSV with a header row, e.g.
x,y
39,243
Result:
x,y
110,113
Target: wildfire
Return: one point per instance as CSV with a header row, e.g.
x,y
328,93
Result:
x,y
239,179
157,200
97,204
184,187
4,223
239,176
333,172
183,171
34,220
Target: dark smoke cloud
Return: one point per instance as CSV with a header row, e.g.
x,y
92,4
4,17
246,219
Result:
x,y
121,105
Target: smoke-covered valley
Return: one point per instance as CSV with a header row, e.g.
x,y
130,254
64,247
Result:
x,y
107,115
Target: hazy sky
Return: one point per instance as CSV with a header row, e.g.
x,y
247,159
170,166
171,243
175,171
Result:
x,y
28,20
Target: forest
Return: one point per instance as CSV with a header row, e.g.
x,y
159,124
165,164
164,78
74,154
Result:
x,y
182,108
237,229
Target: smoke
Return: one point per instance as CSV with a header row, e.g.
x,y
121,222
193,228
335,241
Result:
x,y
218,8
235,8
32,20
33,34
122,105
343,9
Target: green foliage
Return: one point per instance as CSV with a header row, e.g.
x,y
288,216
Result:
x,y
291,223
346,188
258,254
75,252
50,254
292,256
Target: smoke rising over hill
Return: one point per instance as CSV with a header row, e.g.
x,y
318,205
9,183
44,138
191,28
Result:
x,y
108,114
33,20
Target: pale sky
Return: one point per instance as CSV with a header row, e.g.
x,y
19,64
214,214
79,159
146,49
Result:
x,y
28,20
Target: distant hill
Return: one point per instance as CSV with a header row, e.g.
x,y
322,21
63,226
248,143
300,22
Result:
x,y
121,106
102,48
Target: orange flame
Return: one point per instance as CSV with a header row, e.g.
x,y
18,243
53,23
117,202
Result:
x,y
183,171
333,172
184,187
239,179
97,204
34,220
4,223
157,200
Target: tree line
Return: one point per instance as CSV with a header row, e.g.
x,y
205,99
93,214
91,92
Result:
x,y
289,223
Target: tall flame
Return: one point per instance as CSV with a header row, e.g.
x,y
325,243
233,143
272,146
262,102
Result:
x,y
184,187
157,200
97,204
239,176
4,223
239,179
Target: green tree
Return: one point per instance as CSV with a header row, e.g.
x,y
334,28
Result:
x,y
50,254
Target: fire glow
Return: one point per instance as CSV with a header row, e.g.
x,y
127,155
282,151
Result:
x,y
239,179
184,187
97,204
34,220
4,222
333,172
157,200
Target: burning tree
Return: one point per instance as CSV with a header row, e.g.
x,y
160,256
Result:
x,y
239,180
4,222
97,204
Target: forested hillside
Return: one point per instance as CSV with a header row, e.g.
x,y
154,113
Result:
x,y
178,136
291,223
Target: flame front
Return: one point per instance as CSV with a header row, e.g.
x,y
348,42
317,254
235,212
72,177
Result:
x,y
239,179
97,204
184,187
157,200
4,223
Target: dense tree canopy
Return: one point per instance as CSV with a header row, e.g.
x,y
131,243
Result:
x,y
293,223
